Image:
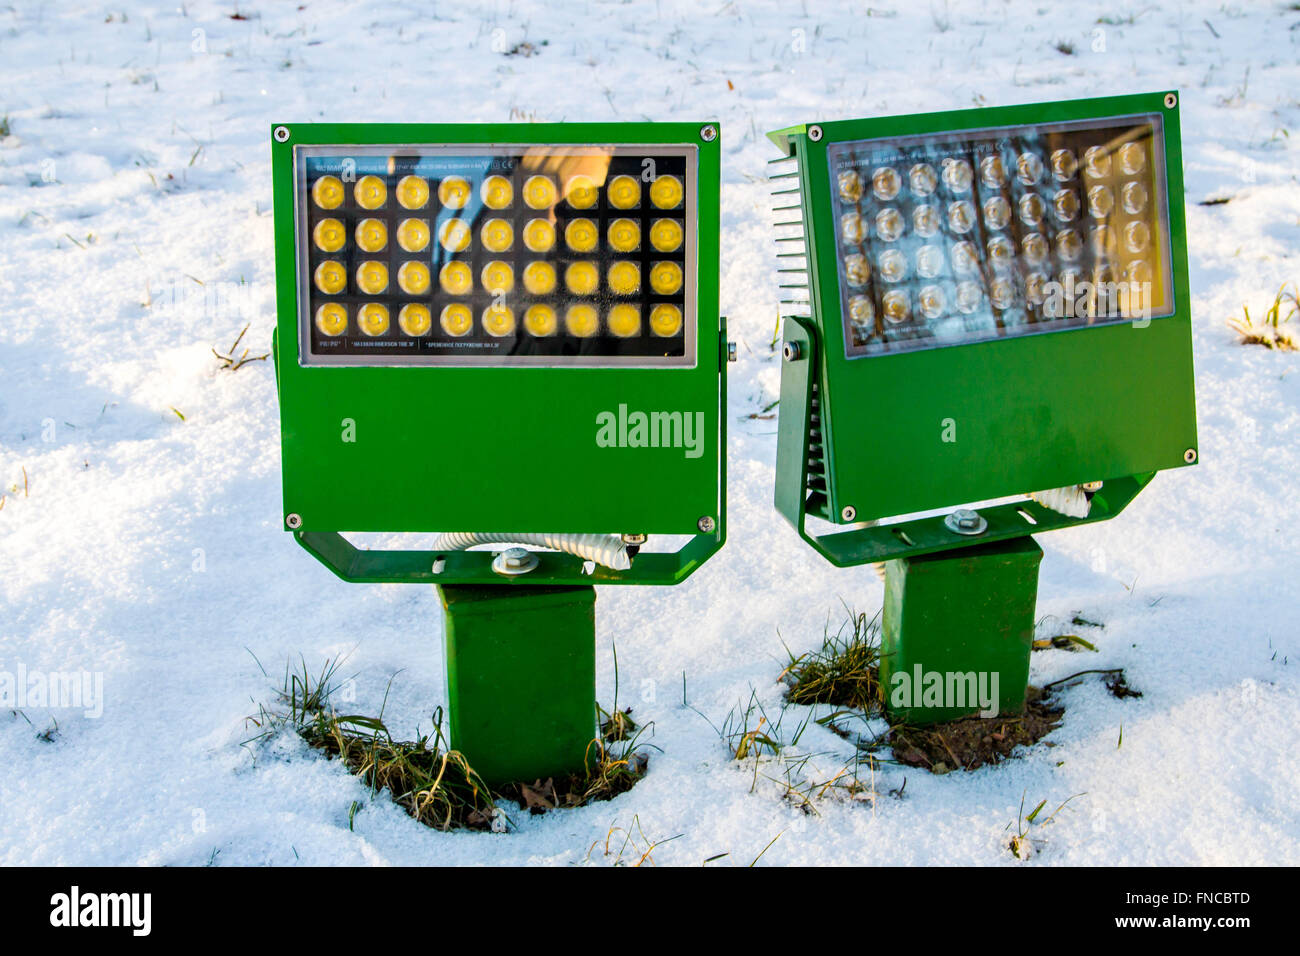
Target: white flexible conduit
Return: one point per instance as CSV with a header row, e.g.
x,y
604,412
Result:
x,y
607,550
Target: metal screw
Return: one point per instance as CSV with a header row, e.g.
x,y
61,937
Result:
x,y
791,352
706,524
849,513
965,521
282,134
708,133
731,351
513,561
636,540
293,521
815,133
1170,101
1189,456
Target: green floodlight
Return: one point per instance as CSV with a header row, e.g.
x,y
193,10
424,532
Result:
x,y
507,334
997,305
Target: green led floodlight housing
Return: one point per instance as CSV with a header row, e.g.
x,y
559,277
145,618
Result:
x,y
506,333
997,305
996,308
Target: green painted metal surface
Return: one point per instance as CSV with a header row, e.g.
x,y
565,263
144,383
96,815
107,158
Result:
x,y
1030,413
521,678
497,449
957,631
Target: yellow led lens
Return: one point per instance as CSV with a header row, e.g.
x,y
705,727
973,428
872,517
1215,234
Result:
x,y
456,278
331,277
497,192
666,277
666,192
497,235
624,235
454,235
539,235
329,235
372,235
372,277
413,235
581,278
412,193
624,192
456,319
624,278
581,192
327,192
332,319
414,319
624,320
539,279
666,235
539,193
581,235
454,192
497,277
540,320
665,320
498,320
370,192
581,321
373,319
413,278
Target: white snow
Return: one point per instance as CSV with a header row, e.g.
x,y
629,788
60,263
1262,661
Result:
x,y
148,548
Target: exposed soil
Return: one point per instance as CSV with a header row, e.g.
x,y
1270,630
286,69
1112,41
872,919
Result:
x,y
972,742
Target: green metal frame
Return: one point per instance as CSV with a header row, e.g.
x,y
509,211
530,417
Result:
x,y
1110,402
498,449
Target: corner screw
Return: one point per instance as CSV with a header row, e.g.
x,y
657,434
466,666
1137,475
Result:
x,y
791,352
708,133
706,524
731,351
965,521
1189,456
815,133
1170,101
514,561
282,134
848,513
293,521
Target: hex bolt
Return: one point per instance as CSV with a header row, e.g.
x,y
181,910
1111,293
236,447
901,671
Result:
x,y
1189,456
848,513
731,351
1170,101
965,521
706,524
815,133
791,352
514,561
708,133
293,521
282,134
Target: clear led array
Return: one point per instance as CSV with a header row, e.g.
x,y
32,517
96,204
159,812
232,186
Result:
x,y
548,255
961,237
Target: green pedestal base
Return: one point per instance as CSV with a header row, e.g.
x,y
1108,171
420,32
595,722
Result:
x,y
521,678
957,631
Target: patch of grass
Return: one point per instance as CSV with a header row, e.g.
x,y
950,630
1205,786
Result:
x,y
844,672
432,782
1269,332
5,128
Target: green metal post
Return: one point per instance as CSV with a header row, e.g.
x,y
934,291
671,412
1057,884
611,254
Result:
x,y
521,678
957,631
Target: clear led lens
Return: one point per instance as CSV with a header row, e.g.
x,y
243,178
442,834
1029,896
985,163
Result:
x,y
413,235
624,192
1064,165
497,193
372,277
852,229
539,279
893,265
1132,159
581,321
497,235
1029,168
370,192
581,192
372,235
539,235
456,319
1002,293
1035,248
929,262
372,319
666,278
329,235
454,235
969,296
412,193
332,319
414,319
1101,202
498,320
1137,236
1032,209
1096,162
957,175
965,260
581,235
497,277
923,179
413,278
885,183
666,192
1068,245
1102,241
1066,205
997,213
896,306
925,220
1002,253
539,193
331,278
540,320
992,175
327,192
857,270
889,224
1034,282
1138,271
624,235
931,301
623,320
454,192
666,235
1134,198
849,184
581,278
456,278
861,311
624,278
665,320
961,216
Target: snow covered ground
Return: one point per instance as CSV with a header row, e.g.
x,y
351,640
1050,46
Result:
x,y
147,548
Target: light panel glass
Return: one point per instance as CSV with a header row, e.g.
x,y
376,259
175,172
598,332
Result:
x,y
961,237
473,255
